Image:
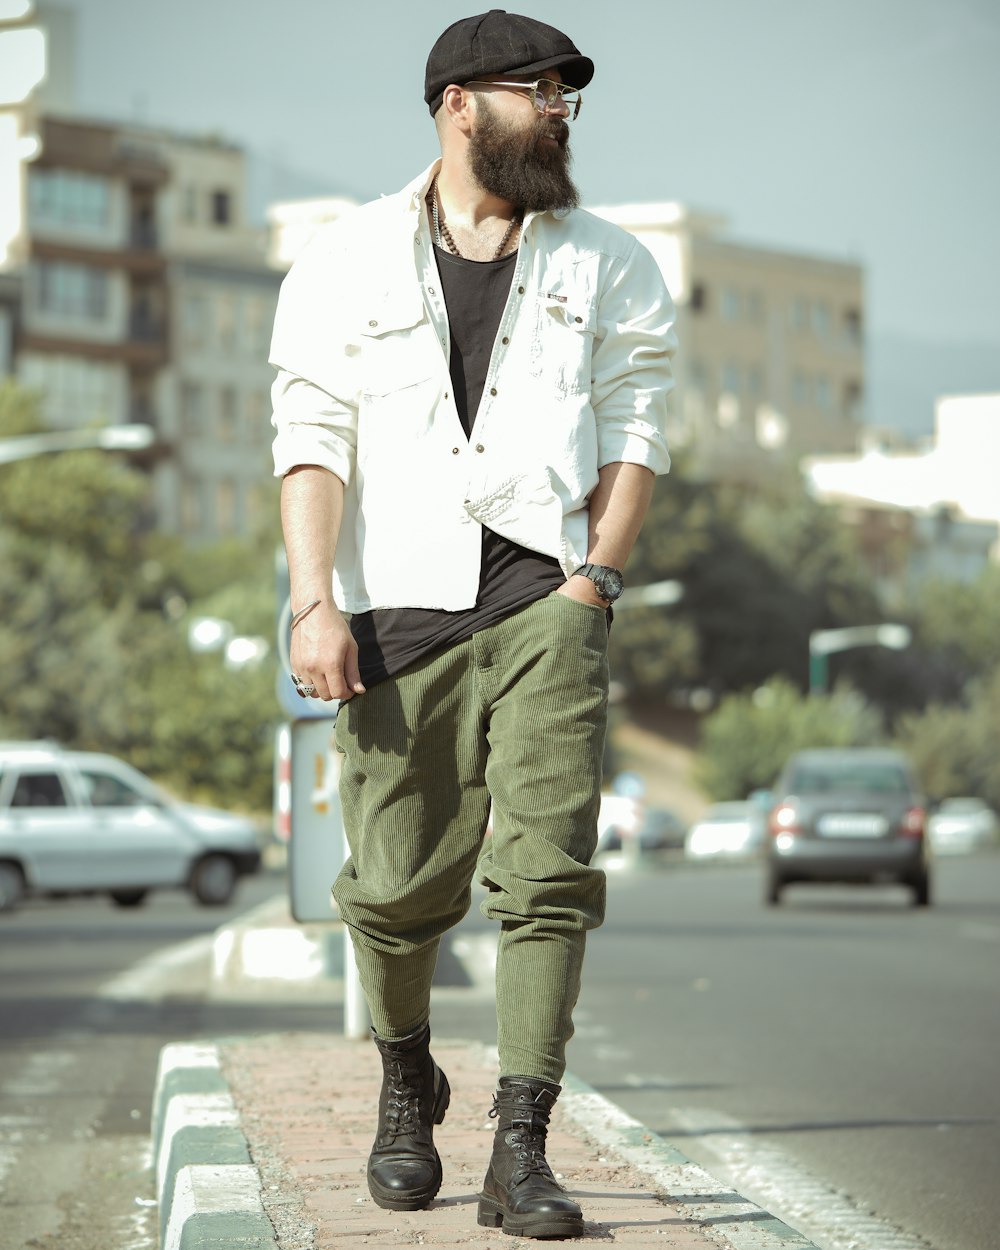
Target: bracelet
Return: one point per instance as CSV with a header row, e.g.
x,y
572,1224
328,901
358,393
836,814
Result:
x,y
303,613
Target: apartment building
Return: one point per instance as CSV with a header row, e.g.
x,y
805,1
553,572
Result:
x,y
771,365
144,296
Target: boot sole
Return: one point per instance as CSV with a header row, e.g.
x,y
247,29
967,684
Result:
x,y
415,1200
493,1215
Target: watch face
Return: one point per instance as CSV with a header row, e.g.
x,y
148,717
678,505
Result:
x,y
610,584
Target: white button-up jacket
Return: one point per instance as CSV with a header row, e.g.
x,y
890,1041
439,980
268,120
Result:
x,y
578,379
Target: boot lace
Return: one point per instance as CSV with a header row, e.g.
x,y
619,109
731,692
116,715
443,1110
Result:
x,y
529,1124
402,1115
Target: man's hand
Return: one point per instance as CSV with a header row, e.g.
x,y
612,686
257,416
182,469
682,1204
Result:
x,y
325,655
583,590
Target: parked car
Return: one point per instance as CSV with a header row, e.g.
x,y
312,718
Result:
x,y
848,815
732,830
625,820
962,824
74,822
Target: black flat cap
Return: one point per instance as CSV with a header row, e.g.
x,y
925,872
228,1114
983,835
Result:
x,y
501,43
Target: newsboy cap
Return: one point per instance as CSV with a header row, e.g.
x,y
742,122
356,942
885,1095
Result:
x,y
501,43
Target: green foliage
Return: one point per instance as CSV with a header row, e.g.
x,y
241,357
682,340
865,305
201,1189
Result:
x,y
94,612
954,747
747,739
762,567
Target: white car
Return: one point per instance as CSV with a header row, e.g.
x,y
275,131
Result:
x,y
727,831
959,825
72,822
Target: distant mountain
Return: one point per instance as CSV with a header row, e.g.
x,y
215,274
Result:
x,y
906,376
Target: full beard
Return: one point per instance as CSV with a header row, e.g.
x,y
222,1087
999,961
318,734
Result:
x,y
517,164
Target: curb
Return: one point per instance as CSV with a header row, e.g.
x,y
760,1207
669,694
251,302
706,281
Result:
x,y
209,1190
207,1186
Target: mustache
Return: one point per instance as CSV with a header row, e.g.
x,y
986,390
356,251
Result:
x,y
554,128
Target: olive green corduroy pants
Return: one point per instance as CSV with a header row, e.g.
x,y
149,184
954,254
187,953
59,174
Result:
x,y
516,715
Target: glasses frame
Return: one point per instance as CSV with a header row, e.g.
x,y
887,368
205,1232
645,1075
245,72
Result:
x,y
533,87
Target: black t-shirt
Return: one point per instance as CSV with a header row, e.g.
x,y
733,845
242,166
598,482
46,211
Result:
x,y
511,576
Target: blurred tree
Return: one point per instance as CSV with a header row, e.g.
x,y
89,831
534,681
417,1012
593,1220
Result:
x,y
93,616
761,569
748,738
954,746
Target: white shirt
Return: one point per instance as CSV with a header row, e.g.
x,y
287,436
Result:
x,y
578,379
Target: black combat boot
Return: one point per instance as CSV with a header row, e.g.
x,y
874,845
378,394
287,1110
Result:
x,y
520,1194
404,1170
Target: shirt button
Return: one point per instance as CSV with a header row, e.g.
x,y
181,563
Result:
x,y
446,395
433,292
480,447
505,341
520,290
373,324
493,390
454,451
578,319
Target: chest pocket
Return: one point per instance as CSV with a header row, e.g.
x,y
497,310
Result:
x,y
564,341
398,346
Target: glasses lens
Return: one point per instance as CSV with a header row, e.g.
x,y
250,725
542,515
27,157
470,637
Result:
x,y
547,93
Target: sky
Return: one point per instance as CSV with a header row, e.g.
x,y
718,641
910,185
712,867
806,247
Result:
x,y
863,130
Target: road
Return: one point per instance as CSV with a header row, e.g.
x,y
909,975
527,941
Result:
x,y
831,1058
87,998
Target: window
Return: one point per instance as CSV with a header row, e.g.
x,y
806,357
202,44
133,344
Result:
x,y
225,322
39,790
221,208
821,319
194,320
103,790
800,312
852,325
731,379
256,412
192,514
62,197
72,290
74,391
755,307
192,409
800,390
824,394
699,298
189,204
731,304
227,414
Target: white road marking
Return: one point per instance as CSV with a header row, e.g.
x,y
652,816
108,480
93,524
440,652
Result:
x,y
762,1172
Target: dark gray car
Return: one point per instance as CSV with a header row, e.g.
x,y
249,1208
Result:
x,y
848,815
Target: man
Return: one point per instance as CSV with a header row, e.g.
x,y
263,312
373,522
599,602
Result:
x,y
472,377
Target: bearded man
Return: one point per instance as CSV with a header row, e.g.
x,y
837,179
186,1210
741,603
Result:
x,y
470,410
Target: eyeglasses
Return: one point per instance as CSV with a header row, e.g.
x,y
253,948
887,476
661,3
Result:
x,y
545,94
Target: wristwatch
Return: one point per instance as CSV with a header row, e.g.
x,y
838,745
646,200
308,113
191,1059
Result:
x,y
608,581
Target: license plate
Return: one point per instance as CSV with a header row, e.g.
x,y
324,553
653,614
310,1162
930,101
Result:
x,y
852,825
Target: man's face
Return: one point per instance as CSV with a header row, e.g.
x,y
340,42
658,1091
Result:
x,y
519,154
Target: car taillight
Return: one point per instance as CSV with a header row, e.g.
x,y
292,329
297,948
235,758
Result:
x,y
913,823
784,819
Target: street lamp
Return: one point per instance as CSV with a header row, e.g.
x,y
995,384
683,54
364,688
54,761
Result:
x,y
102,438
824,642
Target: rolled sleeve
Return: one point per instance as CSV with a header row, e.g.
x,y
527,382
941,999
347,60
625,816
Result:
x,y
632,374
311,427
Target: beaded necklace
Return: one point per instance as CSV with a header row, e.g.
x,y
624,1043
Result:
x,y
441,230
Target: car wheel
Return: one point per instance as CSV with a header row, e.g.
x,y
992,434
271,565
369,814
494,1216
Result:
x,y
11,886
921,887
213,880
772,892
129,898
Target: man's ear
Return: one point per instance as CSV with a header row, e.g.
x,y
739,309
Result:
x,y
457,108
